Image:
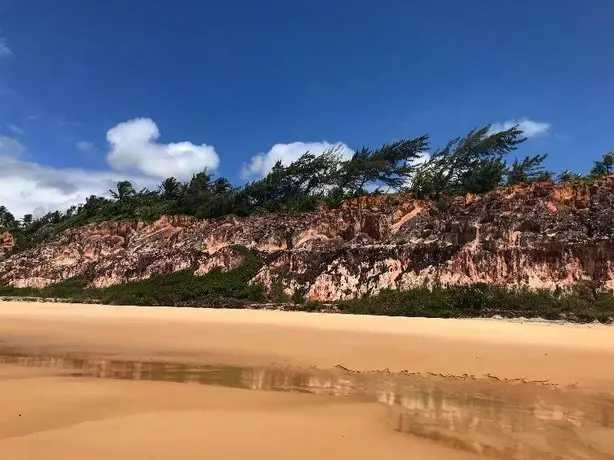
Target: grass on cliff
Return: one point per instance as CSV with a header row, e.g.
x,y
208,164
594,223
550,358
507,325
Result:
x,y
216,288
483,301
68,289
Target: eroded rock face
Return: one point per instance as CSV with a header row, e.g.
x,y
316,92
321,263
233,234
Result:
x,y
7,242
540,235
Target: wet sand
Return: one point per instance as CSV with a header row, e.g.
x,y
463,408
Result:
x,y
562,354
47,413
50,417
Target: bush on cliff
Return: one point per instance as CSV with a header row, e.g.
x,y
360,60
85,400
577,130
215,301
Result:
x,y
485,300
178,288
183,287
73,288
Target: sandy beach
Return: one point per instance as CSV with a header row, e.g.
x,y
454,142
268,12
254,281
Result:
x,y
563,354
47,415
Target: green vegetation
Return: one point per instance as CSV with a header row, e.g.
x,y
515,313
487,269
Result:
x,y
185,288
486,300
474,163
216,288
230,289
69,289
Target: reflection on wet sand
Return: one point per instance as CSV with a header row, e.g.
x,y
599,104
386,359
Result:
x,y
493,419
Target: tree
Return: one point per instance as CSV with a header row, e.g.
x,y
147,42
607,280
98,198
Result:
x,y
171,189
126,199
205,198
221,186
124,192
603,167
296,187
530,169
268,193
7,220
53,217
27,220
451,168
567,176
391,165
485,175
94,206
312,174
196,191
219,200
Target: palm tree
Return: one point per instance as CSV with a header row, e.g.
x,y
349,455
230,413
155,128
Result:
x,y
171,188
125,190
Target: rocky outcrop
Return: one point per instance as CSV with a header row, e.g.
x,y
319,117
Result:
x,y
539,235
7,242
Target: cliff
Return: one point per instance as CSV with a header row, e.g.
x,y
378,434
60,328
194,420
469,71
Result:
x,y
537,235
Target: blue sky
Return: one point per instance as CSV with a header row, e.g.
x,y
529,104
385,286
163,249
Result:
x,y
225,81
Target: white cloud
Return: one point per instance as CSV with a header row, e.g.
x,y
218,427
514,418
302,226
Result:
x,y
135,155
5,51
529,127
10,147
261,163
134,147
30,187
16,129
84,146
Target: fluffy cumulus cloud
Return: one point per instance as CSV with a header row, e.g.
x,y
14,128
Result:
x,y
134,154
260,164
135,147
29,187
529,127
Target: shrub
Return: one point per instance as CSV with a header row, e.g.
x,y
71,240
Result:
x,y
484,300
178,288
232,289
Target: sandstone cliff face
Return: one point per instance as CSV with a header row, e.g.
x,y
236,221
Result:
x,y
540,235
7,242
